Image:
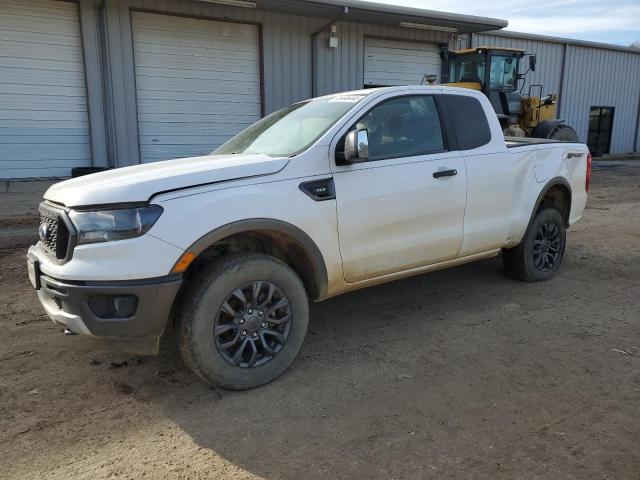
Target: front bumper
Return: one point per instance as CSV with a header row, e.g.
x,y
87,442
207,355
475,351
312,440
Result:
x,y
125,310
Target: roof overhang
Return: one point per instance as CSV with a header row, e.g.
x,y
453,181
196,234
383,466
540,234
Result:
x,y
483,48
380,13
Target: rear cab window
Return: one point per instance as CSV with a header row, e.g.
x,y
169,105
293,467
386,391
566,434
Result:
x,y
468,122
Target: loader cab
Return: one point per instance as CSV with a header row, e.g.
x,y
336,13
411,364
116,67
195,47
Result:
x,y
490,67
494,71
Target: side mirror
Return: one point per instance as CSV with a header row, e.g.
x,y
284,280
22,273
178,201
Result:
x,y
356,146
532,63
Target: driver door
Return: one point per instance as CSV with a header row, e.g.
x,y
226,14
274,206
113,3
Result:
x,y
404,207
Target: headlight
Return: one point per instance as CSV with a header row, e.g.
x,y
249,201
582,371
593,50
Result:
x,y
108,225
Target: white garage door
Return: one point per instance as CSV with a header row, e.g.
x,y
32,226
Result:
x,y
390,62
44,126
197,83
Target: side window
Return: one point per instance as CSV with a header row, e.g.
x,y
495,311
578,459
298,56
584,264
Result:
x,y
470,121
403,127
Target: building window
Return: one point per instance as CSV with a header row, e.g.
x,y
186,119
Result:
x,y
600,127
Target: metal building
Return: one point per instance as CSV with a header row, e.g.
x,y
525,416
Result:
x,y
110,83
598,85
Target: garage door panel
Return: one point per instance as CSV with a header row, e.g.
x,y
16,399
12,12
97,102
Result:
x,y
47,11
186,26
393,52
13,133
44,125
18,50
391,62
400,67
28,125
43,140
38,76
188,39
36,171
213,119
195,74
21,152
26,90
151,130
183,62
41,38
197,83
404,60
35,167
61,115
240,97
178,107
195,87
204,139
38,63
220,52
35,102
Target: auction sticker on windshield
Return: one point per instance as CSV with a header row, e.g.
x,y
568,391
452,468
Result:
x,y
347,98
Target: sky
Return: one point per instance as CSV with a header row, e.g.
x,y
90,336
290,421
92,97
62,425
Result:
x,y
608,21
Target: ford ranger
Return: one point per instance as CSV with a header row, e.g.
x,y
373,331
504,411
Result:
x,y
220,254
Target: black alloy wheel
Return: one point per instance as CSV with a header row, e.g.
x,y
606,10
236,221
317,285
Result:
x,y
252,324
546,247
538,256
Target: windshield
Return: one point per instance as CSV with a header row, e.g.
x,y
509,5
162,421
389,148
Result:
x,y
503,72
292,129
467,68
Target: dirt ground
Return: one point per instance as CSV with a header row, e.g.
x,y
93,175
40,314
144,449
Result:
x,y
460,374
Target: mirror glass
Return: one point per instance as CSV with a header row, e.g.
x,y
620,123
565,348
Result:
x,y
363,144
350,146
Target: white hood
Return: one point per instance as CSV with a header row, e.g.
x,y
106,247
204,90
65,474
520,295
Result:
x,y
140,182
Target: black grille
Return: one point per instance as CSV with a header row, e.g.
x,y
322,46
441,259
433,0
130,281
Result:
x,y
53,232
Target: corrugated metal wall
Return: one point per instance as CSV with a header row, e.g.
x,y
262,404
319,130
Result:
x,y
292,53
287,58
604,78
342,68
592,77
286,47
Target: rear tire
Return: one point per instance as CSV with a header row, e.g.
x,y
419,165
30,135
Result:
x,y
242,321
564,133
538,256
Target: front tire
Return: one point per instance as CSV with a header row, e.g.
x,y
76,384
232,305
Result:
x,y
538,256
242,321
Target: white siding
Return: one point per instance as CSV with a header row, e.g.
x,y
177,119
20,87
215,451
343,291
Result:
x,y
197,83
44,126
390,62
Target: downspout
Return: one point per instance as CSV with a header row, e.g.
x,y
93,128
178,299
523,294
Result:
x,y
314,53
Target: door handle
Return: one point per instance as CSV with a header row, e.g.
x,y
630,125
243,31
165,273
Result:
x,y
445,173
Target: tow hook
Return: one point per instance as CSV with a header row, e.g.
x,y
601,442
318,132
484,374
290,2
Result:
x,y
69,332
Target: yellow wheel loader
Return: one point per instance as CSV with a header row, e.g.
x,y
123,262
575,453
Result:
x,y
494,71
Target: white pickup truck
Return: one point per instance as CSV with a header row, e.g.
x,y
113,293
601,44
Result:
x,y
219,254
